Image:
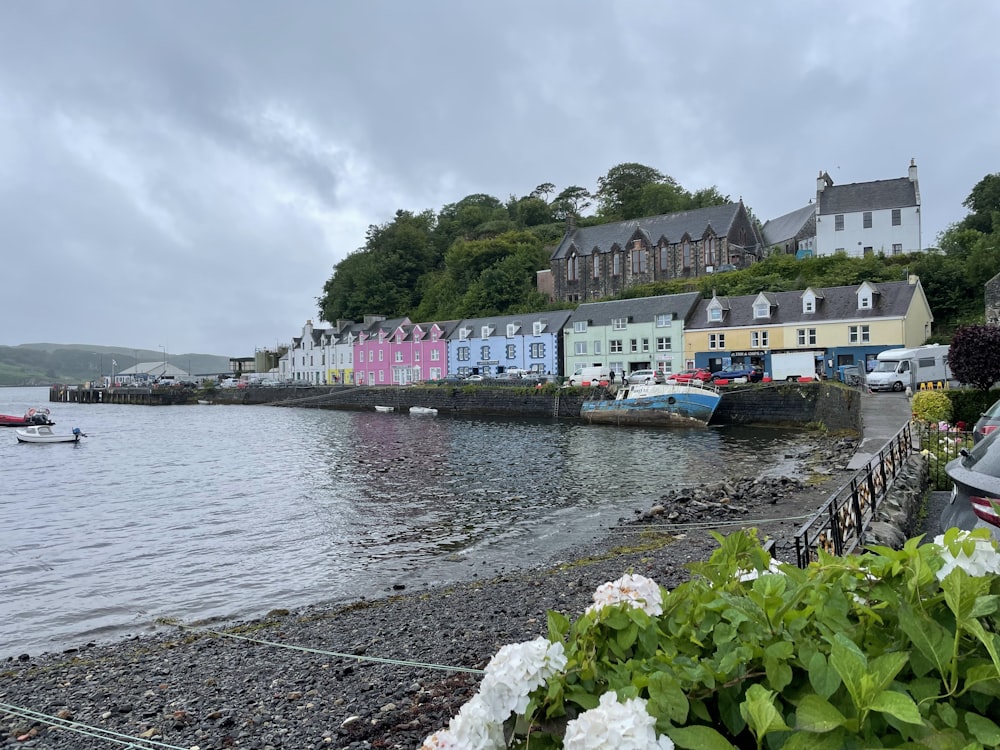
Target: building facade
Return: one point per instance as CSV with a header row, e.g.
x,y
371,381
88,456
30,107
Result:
x,y
491,346
628,335
839,326
591,263
865,218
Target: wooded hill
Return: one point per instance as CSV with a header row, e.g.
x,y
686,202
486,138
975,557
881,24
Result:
x,y
44,364
479,257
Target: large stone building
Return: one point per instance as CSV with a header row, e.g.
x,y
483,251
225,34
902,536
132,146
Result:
x,y
594,262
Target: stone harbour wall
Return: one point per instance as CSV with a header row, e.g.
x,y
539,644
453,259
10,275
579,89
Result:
x,y
899,516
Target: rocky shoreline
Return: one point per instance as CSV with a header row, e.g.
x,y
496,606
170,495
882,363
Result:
x,y
366,675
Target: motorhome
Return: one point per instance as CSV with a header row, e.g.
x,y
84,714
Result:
x,y
898,369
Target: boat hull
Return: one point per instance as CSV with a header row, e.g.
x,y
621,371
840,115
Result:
x,y
655,404
44,434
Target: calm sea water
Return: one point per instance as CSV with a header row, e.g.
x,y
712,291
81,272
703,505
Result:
x,y
195,512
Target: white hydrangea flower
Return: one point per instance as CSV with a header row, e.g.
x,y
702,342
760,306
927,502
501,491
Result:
x,y
749,575
471,729
516,670
984,558
634,590
615,726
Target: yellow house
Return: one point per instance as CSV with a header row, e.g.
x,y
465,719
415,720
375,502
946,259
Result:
x,y
808,332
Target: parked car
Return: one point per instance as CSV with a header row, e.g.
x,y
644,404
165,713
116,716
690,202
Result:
x,y
474,378
645,376
976,478
686,376
989,421
752,373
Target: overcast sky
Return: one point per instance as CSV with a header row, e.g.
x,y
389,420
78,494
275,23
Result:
x,y
186,174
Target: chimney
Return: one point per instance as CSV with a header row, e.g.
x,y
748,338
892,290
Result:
x,y
913,170
570,223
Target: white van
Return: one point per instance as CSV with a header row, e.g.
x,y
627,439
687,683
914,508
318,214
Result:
x,y
598,375
898,369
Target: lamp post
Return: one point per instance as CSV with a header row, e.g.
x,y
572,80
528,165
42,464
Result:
x,y
164,360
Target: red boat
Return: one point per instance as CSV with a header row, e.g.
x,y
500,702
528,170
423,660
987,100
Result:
x,y
32,416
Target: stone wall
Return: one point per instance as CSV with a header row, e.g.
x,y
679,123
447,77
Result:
x,y
837,408
898,517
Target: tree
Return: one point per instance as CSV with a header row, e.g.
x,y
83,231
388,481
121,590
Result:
x,y
974,356
543,190
984,203
619,192
573,200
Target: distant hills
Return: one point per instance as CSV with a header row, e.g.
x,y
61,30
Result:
x,y
44,364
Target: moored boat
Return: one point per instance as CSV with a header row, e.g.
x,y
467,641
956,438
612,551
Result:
x,y
655,404
42,433
422,410
32,416
384,408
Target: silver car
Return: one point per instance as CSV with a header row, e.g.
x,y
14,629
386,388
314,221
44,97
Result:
x,y
645,376
975,495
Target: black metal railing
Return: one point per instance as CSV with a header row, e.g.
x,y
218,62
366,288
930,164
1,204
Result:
x,y
840,524
940,443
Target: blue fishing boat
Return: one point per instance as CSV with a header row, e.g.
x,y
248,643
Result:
x,y
655,404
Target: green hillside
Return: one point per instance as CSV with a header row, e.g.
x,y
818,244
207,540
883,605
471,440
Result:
x,y
44,364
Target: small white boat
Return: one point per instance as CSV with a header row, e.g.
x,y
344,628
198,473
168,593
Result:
x,y
422,410
203,402
42,433
385,408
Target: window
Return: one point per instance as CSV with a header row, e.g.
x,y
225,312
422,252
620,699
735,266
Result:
x,y
838,223
616,264
664,320
485,331
897,217
710,251
484,353
580,347
463,354
537,351
663,343
762,310
715,313
399,356
615,346
597,266
638,257
764,340
361,357
572,267
381,355
716,341
897,248
866,220
686,254
864,301
869,252
754,339
597,346
511,330
634,345
806,336
619,324
580,326
664,257
645,345
859,334
511,351
538,327
464,333
435,355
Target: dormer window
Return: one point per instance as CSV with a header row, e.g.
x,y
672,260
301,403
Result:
x,y
864,302
464,333
538,327
762,310
715,314
512,330
485,332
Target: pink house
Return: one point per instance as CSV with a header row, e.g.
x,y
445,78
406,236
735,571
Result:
x,y
398,352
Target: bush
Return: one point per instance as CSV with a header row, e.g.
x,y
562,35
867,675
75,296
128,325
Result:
x,y
968,403
892,648
932,406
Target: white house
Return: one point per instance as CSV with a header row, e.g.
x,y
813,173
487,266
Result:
x,y
864,218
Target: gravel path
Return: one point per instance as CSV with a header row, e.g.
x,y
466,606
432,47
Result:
x,y
184,688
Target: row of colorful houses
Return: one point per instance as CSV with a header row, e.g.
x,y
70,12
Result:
x,y
838,326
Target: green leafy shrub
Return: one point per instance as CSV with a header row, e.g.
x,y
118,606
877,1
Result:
x,y
885,649
931,406
967,404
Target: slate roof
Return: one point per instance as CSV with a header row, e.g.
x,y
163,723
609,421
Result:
x,y
672,226
868,196
642,309
786,227
554,321
836,303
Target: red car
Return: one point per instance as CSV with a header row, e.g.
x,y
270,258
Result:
x,y
687,376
